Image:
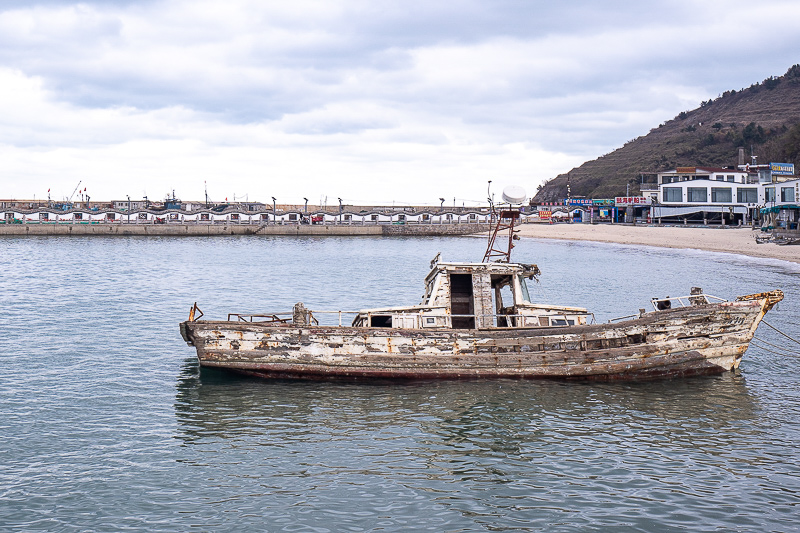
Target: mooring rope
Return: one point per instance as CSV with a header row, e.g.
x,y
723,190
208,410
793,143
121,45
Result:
x,y
758,343
779,331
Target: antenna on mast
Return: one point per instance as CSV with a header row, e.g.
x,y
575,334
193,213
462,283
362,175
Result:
x,y
514,196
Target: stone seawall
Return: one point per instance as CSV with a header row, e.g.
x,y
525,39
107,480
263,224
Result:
x,y
210,230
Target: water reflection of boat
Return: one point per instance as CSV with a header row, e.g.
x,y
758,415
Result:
x,y
477,320
214,404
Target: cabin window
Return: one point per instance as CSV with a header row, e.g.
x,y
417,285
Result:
x,y
747,195
673,194
561,322
524,287
380,321
721,194
696,194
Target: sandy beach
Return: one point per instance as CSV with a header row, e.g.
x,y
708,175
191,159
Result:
x,y
730,240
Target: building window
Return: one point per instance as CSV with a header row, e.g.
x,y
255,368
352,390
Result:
x,y
44,216
401,218
721,194
78,216
696,194
787,194
720,178
234,216
747,195
730,179
374,218
292,217
348,218
769,194
426,217
673,194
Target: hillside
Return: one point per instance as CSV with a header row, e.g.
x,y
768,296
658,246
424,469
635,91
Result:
x,y
765,116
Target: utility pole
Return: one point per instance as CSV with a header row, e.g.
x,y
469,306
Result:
x,y
274,216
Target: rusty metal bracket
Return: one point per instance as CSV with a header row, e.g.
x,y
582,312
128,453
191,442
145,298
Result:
x,y
193,313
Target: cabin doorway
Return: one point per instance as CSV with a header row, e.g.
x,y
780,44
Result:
x,y
504,307
462,301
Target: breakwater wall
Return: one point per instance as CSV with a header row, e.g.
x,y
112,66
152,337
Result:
x,y
210,230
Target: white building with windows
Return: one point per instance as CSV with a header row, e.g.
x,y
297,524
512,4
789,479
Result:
x,y
719,195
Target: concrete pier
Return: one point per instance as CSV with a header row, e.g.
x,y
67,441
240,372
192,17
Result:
x,y
210,230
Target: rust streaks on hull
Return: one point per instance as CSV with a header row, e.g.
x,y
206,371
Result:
x,y
702,339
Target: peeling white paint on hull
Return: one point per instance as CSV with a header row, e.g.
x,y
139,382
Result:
x,y
700,339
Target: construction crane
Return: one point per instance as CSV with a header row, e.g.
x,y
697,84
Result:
x,y
73,192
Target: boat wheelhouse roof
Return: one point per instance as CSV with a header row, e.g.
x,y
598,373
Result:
x,y
527,270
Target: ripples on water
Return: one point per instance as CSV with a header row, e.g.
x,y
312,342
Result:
x,y
108,423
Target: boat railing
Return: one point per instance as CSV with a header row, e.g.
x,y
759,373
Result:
x,y
268,318
662,304
626,317
338,314
500,320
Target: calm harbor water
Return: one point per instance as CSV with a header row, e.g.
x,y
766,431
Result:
x,y
108,423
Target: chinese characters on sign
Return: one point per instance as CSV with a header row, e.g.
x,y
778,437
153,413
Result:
x,y
632,200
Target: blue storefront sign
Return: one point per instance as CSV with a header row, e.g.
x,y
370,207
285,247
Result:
x,y
782,169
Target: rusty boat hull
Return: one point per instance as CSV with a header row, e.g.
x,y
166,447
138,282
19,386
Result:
x,y
694,340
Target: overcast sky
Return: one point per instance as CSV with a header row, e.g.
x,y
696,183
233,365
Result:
x,y
369,101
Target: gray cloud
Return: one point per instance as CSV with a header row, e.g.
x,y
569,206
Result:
x,y
375,81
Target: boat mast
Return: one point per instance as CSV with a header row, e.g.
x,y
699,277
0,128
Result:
x,y
506,219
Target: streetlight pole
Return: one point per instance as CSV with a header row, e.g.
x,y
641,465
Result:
x,y
274,216
340,210
491,204
305,210
129,208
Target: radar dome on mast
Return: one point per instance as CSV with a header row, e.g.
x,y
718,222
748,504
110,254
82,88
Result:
x,y
514,194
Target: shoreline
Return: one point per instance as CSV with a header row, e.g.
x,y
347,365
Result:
x,y
734,240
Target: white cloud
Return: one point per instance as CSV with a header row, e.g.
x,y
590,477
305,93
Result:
x,y
375,102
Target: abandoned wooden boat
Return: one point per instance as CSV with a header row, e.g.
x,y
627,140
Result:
x,y
477,320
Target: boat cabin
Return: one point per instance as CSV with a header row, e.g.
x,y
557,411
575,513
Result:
x,y
475,296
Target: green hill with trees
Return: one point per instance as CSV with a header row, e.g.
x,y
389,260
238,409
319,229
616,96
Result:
x,y
763,119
